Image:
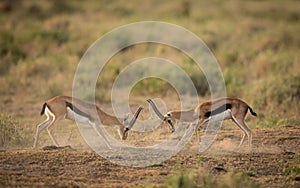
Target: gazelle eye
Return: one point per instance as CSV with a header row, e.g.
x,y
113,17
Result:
x,y
169,121
169,114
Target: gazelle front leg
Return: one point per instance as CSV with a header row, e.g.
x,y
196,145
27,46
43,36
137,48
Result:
x,y
215,118
200,123
50,129
100,132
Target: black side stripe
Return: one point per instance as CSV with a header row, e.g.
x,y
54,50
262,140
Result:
x,y
218,110
77,111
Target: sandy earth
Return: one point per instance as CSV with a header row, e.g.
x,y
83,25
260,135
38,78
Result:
x,y
275,152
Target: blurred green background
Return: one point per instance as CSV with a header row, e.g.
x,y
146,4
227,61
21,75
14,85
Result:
x,y
255,42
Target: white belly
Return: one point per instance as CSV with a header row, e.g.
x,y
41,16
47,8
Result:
x,y
221,116
77,117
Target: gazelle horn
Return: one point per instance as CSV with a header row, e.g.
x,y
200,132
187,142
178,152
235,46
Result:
x,y
155,109
136,115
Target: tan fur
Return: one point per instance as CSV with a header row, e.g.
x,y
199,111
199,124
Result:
x,y
56,111
239,110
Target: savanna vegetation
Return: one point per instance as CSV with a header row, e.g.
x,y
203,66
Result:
x,y
256,44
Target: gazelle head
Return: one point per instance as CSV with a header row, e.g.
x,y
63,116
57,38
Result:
x,y
170,120
122,131
125,127
167,118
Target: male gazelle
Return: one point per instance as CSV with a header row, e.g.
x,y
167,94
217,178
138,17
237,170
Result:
x,y
203,112
65,107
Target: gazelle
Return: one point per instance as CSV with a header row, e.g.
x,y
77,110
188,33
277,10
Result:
x,y
237,109
65,107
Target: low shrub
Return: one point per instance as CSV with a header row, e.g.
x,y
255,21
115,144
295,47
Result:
x,y
9,131
279,100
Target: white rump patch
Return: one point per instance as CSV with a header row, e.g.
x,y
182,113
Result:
x,y
49,114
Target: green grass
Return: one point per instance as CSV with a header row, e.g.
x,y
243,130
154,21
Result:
x,y
292,169
201,178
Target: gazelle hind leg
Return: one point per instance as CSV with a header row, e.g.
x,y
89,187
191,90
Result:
x,y
249,134
243,139
246,130
50,129
39,128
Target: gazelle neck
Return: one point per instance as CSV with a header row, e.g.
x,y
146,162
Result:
x,y
108,119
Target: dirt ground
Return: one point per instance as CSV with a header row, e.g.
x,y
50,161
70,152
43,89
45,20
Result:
x,y
275,154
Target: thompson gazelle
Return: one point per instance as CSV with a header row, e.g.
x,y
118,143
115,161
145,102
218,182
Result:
x,y
65,107
204,112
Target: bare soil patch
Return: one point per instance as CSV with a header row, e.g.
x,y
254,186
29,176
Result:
x,y
271,163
